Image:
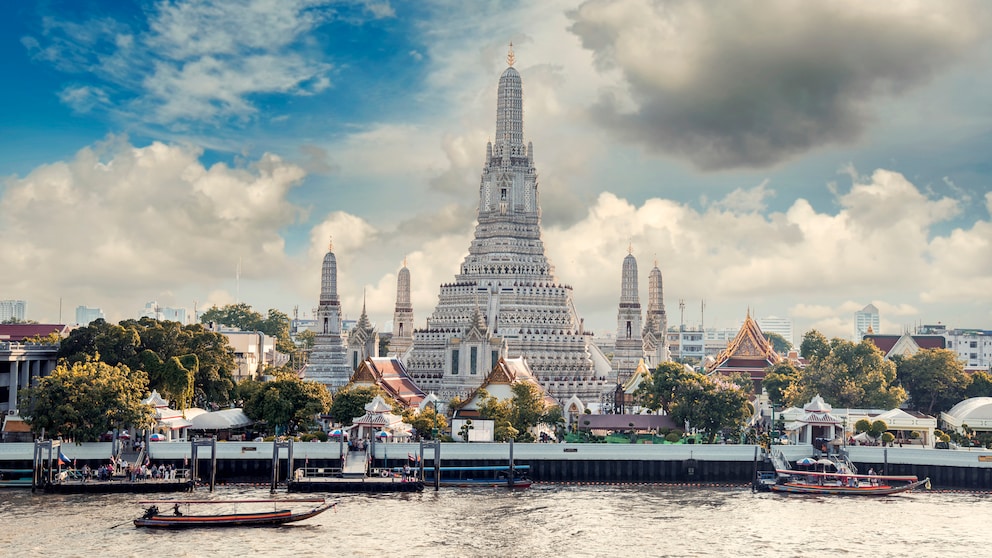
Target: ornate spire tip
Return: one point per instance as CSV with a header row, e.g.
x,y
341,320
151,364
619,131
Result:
x,y
510,58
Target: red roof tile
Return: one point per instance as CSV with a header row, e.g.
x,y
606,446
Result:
x,y
20,332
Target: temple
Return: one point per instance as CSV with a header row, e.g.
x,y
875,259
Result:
x,y
505,301
628,349
656,323
750,353
402,339
328,361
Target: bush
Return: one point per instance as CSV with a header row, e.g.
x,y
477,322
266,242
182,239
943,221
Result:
x,y
887,437
673,437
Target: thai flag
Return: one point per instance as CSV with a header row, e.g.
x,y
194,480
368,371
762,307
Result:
x,y
63,460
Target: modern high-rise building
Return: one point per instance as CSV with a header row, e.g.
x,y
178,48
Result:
x,y
12,310
86,315
163,313
505,300
866,321
774,324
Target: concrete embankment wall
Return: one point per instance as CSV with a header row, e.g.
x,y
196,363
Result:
x,y
252,461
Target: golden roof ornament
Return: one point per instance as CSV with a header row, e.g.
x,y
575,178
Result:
x,y
510,58
330,244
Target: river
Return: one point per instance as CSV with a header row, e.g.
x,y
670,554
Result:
x,y
545,520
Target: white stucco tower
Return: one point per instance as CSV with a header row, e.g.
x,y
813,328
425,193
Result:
x,y
629,347
402,339
656,324
508,281
328,360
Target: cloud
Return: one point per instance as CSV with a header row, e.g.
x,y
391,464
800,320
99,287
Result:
x,y
753,84
119,224
195,62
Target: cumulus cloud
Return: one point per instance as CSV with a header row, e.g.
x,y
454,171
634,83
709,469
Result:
x,y
118,224
752,84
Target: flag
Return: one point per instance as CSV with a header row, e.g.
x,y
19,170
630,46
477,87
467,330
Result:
x,y
148,460
63,460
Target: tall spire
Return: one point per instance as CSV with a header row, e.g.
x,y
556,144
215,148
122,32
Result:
x,y
510,58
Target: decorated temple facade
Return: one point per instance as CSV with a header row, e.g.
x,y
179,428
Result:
x,y
628,349
656,322
402,340
750,353
505,300
328,361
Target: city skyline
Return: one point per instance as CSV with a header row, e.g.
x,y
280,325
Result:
x,y
791,160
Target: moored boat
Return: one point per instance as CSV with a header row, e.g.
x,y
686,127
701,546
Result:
x,y
176,519
484,476
844,484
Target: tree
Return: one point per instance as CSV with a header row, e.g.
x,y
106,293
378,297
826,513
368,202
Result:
x,y
126,342
659,393
276,324
780,344
499,412
83,400
778,379
934,378
710,405
814,346
175,379
849,375
288,403
980,385
425,421
348,404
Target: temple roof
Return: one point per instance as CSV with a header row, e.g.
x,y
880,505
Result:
x,y
750,349
390,375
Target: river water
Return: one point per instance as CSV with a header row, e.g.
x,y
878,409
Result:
x,y
545,520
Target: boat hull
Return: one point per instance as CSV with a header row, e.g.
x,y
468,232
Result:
x,y
471,483
878,490
259,519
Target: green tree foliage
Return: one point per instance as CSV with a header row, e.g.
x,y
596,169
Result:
x,y
979,385
126,343
275,324
83,400
516,417
709,404
349,404
175,379
815,345
934,378
779,343
848,375
862,425
110,343
659,393
779,379
425,420
287,403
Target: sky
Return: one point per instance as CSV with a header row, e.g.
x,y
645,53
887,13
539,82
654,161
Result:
x,y
784,158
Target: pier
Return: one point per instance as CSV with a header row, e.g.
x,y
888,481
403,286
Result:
x,y
318,463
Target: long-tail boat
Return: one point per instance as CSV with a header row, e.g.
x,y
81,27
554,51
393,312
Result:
x,y
844,484
176,518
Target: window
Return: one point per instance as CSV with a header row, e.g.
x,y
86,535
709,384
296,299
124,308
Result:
x,y
454,362
354,360
474,362
502,194
495,358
